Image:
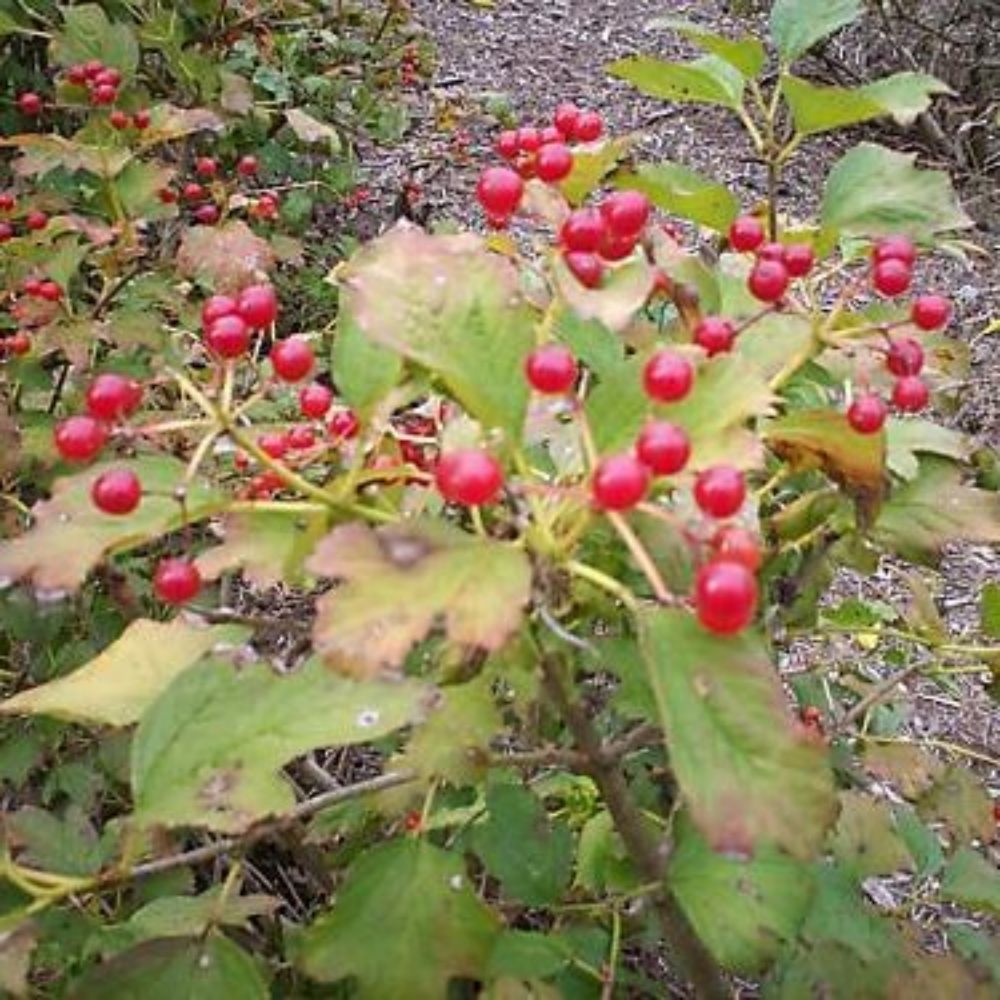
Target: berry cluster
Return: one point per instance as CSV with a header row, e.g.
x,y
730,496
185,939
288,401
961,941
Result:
x,y
775,265
206,191
101,82
37,306
34,220
409,66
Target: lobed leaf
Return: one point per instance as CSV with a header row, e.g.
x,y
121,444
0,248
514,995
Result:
x,y
616,302
747,54
707,80
679,190
226,257
797,25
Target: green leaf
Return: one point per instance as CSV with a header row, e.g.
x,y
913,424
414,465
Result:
x,y
70,535
922,516
745,772
66,844
865,839
971,880
526,955
449,305
707,80
773,341
681,191
602,862
873,191
797,25
592,342
87,34
399,581
976,947
207,752
531,856
747,54
138,189
363,371
910,438
911,768
989,610
119,684
405,923
920,841
592,165
816,109
269,546
959,800
175,969
764,900
616,302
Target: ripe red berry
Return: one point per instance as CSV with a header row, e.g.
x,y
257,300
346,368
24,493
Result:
x,y
7,201
905,357
50,291
104,93
715,334
117,491
112,396
258,305
273,443
551,369
930,312
193,191
315,400
499,191
799,259
565,119
176,581
614,248
507,144
119,119
247,166
551,134
343,425
77,75
746,234
469,477
892,277
167,195
894,248
626,213
32,287
109,77
19,343
141,119
768,280
583,231
587,268
554,162
619,482
811,716
215,307
720,491
867,413
228,336
80,438
667,377
207,215
736,544
36,221
725,596
6,232
205,166
92,68
910,394
589,127
663,447
292,359
301,437
771,251
30,103
529,139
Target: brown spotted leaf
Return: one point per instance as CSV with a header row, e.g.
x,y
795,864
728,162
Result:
x,y
226,257
619,298
208,752
911,768
959,800
402,580
865,840
746,774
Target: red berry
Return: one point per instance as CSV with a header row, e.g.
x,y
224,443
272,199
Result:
x,y
315,400
768,280
292,359
930,312
193,191
811,715
117,491
205,166
273,443
92,68
36,220
551,369
469,477
614,248
529,139
551,134
720,491
77,75
141,119
910,394
80,438
19,343
895,248
108,77
301,437
799,259
167,195
119,119
771,251
867,414
258,305
7,201
905,357
663,447
735,544
343,425
6,232
589,127
112,396
715,334
583,231
499,191
554,162
104,93
892,277
586,268
626,213
207,215
667,377
746,234
176,581
32,287
228,336
565,119
215,307
725,597
247,166
30,103
50,291
619,482
507,144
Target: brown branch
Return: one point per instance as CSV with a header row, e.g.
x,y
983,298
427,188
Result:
x,y
874,696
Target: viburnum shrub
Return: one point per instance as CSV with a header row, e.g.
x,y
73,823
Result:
x,y
554,510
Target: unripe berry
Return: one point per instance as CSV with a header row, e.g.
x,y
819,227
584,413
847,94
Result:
x,y
746,234
867,414
667,377
469,477
587,268
583,231
720,491
176,581
905,357
930,312
725,597
292,359
768,280
117,491
80,438
715,334
663,447
619,482
551,369
315,400
892,277
910,394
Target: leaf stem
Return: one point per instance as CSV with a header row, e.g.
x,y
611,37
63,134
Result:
x,y
643,558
